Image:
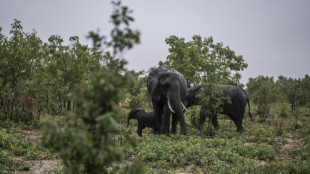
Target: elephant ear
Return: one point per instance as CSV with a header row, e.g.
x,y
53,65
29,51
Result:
x,y
197,89
152,85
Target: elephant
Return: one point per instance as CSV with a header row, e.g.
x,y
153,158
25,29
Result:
x,y
145,119
234,108
167,88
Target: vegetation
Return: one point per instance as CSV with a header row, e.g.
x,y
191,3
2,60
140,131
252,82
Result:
x,y
201,60
86,143
82,97
291,93
275,145
260,149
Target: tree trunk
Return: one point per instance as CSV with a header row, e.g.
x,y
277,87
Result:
x,y
69,105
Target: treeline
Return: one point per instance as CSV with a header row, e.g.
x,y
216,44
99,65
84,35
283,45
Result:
x,y
289,92
36,77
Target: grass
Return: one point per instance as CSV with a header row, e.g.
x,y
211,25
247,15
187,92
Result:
x,y
280,144
19,148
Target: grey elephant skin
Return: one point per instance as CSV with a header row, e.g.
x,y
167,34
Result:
x,y
234,108
145,119
167,88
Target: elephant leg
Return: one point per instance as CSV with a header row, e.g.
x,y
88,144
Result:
x,y
174,124
202,118
215,122
154,130
158,111
238,123
139,131
166,121
239,126
182,124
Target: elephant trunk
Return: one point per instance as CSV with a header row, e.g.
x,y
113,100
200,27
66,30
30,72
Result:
x,y
131,115
177,107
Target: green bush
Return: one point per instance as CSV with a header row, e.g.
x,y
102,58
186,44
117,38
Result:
x,y
284,109
6,157
13,144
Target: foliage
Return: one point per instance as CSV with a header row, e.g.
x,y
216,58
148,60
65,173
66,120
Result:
x,y
18,56
284,108
293,91
137,95
13,144
86,85
260,149
88,141
122,37
262,91
201,59
257,150
37,77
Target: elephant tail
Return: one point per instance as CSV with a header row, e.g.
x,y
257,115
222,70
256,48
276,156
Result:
x,y
249,109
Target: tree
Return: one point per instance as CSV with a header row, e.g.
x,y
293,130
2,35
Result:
x,y
263,92
88,143
292,89
122,37
19,54
305,85
203,61
137,95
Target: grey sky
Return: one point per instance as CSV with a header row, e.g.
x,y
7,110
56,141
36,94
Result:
x,y
273,36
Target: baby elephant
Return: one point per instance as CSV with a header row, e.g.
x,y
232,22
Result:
x,y
145,119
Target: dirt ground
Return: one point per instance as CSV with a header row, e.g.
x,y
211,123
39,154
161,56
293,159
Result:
x,y
40,165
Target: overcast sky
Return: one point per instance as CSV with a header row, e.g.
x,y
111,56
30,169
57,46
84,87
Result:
x,y
273,36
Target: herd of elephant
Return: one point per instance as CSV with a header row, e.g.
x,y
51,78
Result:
x,y
170,96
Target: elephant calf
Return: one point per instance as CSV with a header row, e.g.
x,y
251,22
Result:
x,y
145,119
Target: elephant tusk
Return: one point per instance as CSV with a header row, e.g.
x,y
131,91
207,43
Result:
x,y
169,105
184,107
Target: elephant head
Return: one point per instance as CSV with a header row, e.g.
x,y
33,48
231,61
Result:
x,y
168,89
192,97
134,114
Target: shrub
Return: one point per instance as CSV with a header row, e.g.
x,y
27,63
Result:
x,y
284,109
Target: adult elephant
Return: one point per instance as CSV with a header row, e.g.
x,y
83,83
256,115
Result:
x,y
168,89
234,108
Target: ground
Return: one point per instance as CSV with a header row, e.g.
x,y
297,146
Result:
x,y
269,146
